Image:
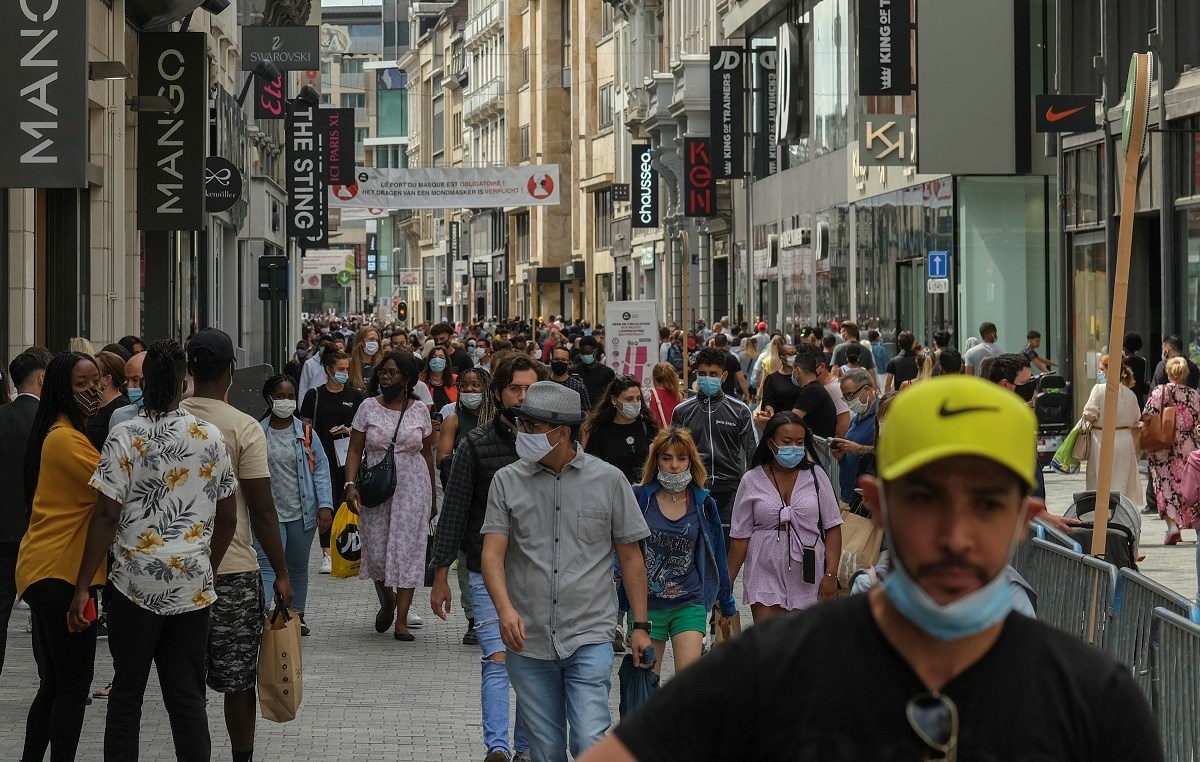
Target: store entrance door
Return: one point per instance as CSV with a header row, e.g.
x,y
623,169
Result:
x,y
911,298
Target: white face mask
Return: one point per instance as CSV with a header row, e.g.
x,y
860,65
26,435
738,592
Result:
x,y
631,409
370,348
283,408
471,400
533,447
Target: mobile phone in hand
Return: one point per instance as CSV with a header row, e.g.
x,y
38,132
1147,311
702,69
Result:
x,y
89,614
436,417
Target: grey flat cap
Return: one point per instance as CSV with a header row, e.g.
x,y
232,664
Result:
x,y
551,402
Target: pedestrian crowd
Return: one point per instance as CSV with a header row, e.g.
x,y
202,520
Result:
x,y
584,513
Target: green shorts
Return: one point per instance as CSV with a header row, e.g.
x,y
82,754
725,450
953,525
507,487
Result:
x,y
665,623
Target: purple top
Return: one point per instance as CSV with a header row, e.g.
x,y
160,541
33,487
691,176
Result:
x,y
756,513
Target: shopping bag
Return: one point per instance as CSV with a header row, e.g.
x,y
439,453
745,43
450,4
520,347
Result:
x,y
1083,441
637,684
861,540
1064,459
280,670
1189,489
1159,433
345,547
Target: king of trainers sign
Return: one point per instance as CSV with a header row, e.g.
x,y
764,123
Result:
x,y
171,144
44,89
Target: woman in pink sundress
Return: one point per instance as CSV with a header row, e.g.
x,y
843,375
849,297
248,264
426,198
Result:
x,y
1167,466
394,534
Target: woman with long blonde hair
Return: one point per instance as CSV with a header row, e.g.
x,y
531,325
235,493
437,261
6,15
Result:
x,y
362,357
664,395
686,568
770,361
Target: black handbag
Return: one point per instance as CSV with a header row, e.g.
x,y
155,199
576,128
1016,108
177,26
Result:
x,y
376,484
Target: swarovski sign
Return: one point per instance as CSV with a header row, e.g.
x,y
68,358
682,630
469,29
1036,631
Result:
x,y
44,120
645,187
290,48
171,145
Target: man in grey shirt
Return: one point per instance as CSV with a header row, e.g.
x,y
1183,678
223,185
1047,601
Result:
x,y
988,347
851,335
554,519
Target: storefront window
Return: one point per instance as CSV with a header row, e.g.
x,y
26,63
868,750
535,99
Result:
x,y
1191,238
1089,284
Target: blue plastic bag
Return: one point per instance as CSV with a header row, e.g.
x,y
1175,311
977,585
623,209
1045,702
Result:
x,y
637,684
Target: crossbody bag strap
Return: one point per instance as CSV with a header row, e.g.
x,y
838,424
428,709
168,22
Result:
x,y
658,403
396,433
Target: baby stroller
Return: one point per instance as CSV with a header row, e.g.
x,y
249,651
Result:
x,y
1053,410
1124,527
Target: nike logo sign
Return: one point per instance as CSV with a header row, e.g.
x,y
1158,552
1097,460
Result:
x,y
947,412
1058,116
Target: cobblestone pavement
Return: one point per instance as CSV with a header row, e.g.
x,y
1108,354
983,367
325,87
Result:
x,y
369,697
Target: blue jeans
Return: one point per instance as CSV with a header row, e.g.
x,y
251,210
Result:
x,y
554,692
296,543
493,692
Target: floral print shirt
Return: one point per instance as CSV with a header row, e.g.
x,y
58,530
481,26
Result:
x,y
168,475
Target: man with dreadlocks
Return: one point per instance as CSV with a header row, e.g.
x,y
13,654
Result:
x,y
166,506
477,458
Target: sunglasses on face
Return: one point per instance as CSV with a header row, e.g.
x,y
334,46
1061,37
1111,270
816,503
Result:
x,y
934,718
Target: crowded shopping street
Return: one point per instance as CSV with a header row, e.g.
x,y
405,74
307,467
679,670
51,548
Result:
x,y
600,380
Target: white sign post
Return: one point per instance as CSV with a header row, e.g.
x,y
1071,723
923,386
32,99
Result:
x,y
631,339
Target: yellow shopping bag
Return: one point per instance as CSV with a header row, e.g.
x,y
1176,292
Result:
x,y
345,547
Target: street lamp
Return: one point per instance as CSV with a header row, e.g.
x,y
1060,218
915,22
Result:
x,y
150,103
263,69
110,70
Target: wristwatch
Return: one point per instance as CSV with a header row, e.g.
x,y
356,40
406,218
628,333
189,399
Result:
x,y
642,626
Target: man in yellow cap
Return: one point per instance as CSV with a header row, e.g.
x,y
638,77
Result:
x,y
932,665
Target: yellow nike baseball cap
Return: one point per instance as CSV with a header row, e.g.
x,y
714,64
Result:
x,y
957,415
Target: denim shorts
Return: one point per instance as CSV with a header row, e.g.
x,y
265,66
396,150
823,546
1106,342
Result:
x,y
666,623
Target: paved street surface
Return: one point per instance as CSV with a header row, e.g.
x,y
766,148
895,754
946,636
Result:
x,y
369,697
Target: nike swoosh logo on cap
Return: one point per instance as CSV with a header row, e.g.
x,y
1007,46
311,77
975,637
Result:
x,y
947,412
1057,116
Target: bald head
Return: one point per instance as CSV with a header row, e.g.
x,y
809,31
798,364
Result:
x,y
133,371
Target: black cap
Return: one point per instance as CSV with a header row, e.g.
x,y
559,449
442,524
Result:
x,y
210,345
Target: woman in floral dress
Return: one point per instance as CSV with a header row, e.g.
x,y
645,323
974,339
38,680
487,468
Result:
x,y
394,534
1167,466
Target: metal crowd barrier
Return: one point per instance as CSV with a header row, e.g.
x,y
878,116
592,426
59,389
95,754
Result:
x,y
1045,532
1128,635
1175,670
1074,592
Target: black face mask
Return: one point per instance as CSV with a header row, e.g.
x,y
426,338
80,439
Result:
x,y
1026,391
560,367
393,392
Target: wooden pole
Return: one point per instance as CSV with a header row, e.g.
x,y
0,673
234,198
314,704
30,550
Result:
x,y
683,252
1133,154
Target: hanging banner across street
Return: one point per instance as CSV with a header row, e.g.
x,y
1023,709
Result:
x,y
645,187
44,120
631,335
172,145
308,208
727,106
449,188
884,35
766,150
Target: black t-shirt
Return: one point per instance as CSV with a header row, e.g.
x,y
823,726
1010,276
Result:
x,y
596,377
461,362
903,367
1160,373
96,428
825,684
779,392
819,413
730,385
331,410
622,445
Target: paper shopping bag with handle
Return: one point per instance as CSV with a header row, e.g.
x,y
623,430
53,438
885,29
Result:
x,y
345,546
280,670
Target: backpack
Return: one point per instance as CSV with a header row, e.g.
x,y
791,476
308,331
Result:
x,y
675,357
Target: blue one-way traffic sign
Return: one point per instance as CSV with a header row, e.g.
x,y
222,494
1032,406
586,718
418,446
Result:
x,y
938,263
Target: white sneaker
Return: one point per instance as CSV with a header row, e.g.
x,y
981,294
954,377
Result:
x,y
326,565
415,621
21,604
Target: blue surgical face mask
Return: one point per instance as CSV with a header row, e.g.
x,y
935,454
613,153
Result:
x,y
789,456
437,365
587,359
967,616
135,395
341,378
1102,378
708,385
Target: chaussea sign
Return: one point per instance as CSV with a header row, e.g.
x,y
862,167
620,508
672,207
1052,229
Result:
x,y
171,145
447,188
290,48
44,86
645,187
